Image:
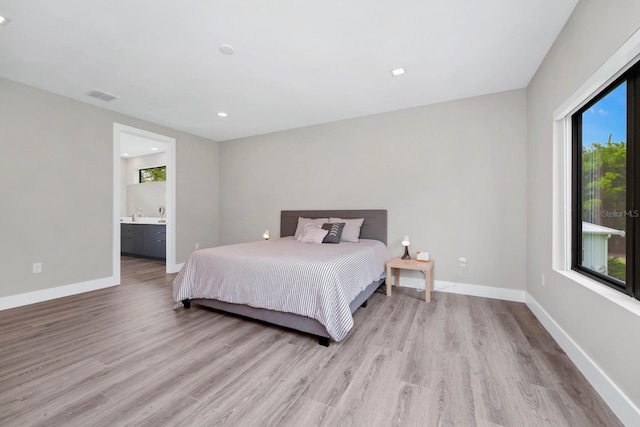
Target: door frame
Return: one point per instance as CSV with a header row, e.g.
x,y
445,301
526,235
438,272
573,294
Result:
x,y
118,129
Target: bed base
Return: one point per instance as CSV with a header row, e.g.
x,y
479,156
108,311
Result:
x,y
287,320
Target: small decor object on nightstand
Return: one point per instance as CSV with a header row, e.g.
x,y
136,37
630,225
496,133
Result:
x,y
422,256
265,236
406,243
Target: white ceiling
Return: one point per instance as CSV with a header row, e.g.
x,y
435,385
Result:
x,y
297,62
135,146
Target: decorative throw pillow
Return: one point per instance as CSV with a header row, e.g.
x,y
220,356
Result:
x,y
308,226
351,231
334,232
304,221
313,235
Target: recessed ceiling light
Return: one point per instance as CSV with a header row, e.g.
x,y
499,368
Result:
x,y
227,49
222,114
398,72
154,149
125,154
4,21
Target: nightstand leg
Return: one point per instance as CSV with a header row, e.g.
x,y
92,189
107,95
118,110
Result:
x,y
427,285
397,283
388,280
433,278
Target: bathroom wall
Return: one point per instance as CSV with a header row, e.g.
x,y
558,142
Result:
x,y
148,196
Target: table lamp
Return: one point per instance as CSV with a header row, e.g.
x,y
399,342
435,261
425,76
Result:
x,y
265,236
406,243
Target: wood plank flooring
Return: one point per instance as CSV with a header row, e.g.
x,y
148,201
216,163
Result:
x,y
122,356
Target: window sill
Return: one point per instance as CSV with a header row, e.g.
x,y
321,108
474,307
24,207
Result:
x,y
616,297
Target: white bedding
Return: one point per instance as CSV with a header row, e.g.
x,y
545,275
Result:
x,y
313,280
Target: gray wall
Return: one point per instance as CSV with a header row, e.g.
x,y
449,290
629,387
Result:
x,y
57,189
607,332
452,176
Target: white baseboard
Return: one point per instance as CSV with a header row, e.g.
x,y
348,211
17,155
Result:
x,y
27,298
174,268
467,289
619,403
13,301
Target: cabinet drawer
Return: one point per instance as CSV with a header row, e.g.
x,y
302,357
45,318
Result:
x,y
156,248
127,244
155,244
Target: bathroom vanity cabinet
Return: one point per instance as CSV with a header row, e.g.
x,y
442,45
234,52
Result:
x,y
143,240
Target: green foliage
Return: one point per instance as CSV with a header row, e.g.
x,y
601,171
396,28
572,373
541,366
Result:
x,y
617,268
153,174
604,186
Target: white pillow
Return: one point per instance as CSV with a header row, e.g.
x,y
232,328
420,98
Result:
x,y
351,230
306,227
314,235
304,221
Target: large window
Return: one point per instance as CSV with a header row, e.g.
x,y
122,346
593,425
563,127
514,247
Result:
x,y
606,184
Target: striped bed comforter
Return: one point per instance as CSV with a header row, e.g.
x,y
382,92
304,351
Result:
x,y
313,280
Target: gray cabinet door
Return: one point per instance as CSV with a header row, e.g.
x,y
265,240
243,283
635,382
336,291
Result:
x,y
138,239
126,238
145,240
155,241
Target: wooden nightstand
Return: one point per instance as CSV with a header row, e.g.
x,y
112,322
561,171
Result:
x,y
427,267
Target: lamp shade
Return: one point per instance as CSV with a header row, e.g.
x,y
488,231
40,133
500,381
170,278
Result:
x,y
266,235
406,241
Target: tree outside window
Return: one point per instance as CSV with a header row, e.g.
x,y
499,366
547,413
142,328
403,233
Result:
x,y
153,174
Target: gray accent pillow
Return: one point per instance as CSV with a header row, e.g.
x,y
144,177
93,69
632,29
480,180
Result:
x,y
351,232
334,232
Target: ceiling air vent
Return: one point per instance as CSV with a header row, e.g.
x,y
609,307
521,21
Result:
x,y
102,95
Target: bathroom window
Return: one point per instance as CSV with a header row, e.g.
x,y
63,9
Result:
x,y
153,174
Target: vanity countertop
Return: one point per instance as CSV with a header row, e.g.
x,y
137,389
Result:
x,y
141,220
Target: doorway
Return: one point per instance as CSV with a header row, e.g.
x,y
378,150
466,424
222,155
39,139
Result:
x,y
122,135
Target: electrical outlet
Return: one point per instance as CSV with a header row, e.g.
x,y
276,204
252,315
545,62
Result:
x,y
37,267
462,262
542,280
197,245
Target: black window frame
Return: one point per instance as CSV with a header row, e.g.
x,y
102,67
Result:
x,y
632,233
146,169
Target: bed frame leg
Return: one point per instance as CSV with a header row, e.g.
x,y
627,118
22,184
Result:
x,y
186,303
323,341
364,304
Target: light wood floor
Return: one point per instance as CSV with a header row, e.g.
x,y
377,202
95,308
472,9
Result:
x,y
122,356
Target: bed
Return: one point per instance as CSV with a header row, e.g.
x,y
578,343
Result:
x,y
307,287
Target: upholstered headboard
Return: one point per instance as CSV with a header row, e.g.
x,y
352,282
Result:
x,y
374,226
